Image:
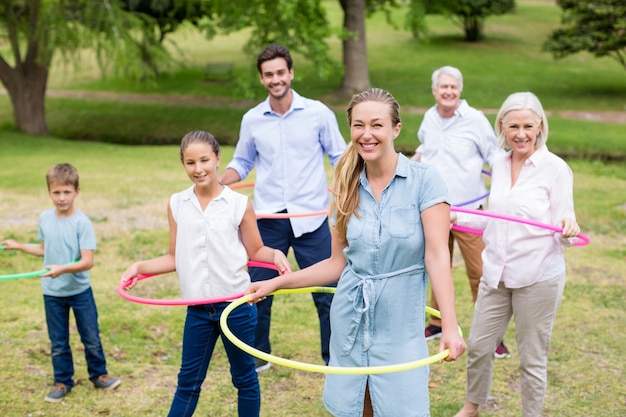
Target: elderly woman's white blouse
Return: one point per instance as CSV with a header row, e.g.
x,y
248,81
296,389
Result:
x,y
515,253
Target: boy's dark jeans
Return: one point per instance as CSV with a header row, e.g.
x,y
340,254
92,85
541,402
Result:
x,y
58,321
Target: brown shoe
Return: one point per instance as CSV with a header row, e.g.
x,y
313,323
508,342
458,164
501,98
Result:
x,y
106,382
59,392
465,412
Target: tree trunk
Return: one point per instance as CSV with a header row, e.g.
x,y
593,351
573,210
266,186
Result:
x,y
356,76
26,85
472,26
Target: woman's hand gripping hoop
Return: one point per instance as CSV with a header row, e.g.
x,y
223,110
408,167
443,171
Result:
x,y
322,368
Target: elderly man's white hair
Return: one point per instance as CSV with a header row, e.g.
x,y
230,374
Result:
x,y
448,70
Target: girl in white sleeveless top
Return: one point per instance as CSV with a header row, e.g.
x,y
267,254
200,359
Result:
x,y
213,233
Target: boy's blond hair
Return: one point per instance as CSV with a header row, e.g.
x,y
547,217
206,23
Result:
x,y
62,174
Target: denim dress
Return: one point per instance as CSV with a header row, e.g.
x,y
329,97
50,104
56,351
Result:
x,y
377,315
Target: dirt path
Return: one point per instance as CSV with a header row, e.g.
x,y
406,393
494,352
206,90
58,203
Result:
x,y
616,117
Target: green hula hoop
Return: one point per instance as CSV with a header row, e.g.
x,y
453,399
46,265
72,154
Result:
x,y
322,368
33,274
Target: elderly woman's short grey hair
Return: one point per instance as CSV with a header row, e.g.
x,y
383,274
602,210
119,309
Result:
x,y
522,101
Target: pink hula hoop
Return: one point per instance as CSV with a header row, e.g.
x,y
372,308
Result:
x,y
278,215
191,302
584,240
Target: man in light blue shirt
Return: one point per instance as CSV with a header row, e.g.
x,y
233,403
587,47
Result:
x,y
286,137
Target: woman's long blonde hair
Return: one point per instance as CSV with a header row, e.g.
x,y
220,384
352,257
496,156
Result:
x,y
349,167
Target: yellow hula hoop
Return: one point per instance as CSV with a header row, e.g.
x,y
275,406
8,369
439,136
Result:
x,y
322,368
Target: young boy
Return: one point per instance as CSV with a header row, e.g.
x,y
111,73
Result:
x,y
67,245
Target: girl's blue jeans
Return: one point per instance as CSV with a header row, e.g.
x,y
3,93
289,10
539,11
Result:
x,y
58,321
201,331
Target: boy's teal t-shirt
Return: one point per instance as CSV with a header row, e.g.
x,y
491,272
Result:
x,y
64,238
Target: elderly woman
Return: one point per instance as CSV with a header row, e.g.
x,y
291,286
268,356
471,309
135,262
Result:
x,y
523,266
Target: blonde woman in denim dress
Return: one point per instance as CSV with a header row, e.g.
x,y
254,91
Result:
x,y
390,222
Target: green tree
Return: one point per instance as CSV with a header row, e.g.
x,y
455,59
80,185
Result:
x,y
36,30
127,35
469,14
302,26
596,26
162,17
